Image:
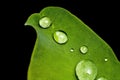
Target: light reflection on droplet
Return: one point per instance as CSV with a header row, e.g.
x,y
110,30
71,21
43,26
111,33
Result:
x,y
105,59
71,50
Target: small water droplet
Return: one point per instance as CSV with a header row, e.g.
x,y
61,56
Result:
x,y
102,78
45,22
60,37
86,70
83,49
106,59
71,50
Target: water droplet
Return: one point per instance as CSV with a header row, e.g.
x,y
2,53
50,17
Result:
x,y
86,70
83,49
106,59
71,50
101,78
45,22
60,37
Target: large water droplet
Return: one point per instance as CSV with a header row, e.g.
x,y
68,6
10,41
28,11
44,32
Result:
x,y
60,37
86,70
83,49
45,22
102,78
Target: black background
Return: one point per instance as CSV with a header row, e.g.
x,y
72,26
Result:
x,y
103,17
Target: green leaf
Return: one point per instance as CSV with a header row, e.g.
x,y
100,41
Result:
x,y
56,55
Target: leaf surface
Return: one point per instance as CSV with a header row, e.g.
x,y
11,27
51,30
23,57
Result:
x,y
53,61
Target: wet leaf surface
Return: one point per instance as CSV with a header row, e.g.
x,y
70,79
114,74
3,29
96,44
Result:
x,y
53,61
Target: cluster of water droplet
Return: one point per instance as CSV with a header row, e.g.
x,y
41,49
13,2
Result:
x,y
59,36
85,69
